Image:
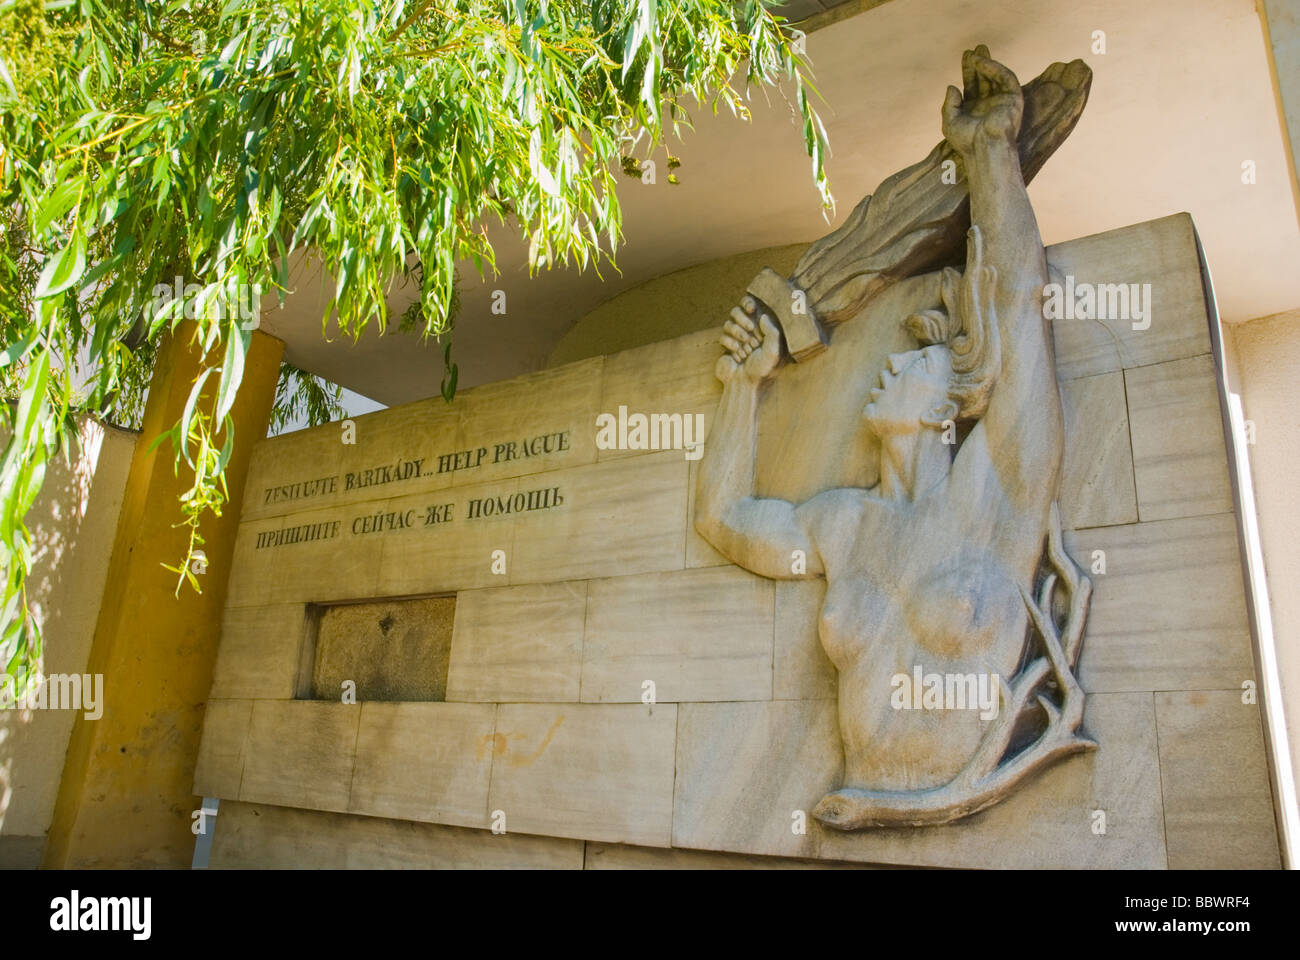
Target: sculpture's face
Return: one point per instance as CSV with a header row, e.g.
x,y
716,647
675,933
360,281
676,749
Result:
x,y
912,392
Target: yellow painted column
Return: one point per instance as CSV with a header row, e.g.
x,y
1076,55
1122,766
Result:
x,y
126,796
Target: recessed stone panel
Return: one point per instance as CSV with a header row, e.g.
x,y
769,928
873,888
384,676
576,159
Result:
x,y
386,650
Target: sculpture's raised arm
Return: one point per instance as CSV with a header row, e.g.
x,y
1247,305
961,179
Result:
x,y
759,534
916,220
1022,425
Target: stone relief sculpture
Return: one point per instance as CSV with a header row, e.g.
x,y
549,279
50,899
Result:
x,y
952,564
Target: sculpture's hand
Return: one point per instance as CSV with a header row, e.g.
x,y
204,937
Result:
x,y
752,342
990,109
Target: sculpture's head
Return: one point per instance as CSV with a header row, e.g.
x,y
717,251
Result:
x,y
913,392
951,375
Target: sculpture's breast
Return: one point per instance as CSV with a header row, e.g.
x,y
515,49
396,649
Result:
x,y
856,616
967,608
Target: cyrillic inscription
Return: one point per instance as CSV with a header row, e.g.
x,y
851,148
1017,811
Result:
x,y
519,503
388,521
303,533
383,522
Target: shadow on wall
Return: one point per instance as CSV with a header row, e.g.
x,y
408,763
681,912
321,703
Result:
x,y
73,523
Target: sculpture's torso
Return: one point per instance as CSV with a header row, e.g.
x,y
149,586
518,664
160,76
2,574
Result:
x,y
908,585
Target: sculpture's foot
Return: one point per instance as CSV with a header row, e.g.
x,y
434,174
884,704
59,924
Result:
x,y
852,808
848,809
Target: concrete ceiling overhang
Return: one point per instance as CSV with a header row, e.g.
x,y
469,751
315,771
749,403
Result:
x,y
1181,98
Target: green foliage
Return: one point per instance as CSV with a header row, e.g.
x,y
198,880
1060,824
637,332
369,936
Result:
x,y
219,142
300,395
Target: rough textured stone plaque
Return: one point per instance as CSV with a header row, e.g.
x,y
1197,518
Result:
x,y
395,650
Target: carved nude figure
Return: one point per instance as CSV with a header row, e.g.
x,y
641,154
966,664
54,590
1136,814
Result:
x,y
938,564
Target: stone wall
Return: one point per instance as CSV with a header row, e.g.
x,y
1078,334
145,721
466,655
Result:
x,y
579,577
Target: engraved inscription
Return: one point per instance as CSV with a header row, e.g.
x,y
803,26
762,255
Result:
x,y
301,533
301,489
539,445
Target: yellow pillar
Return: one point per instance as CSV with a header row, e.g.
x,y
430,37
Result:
x,y
126,795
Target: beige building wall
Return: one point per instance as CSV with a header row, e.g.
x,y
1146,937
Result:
x,y
1267,354
72,522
